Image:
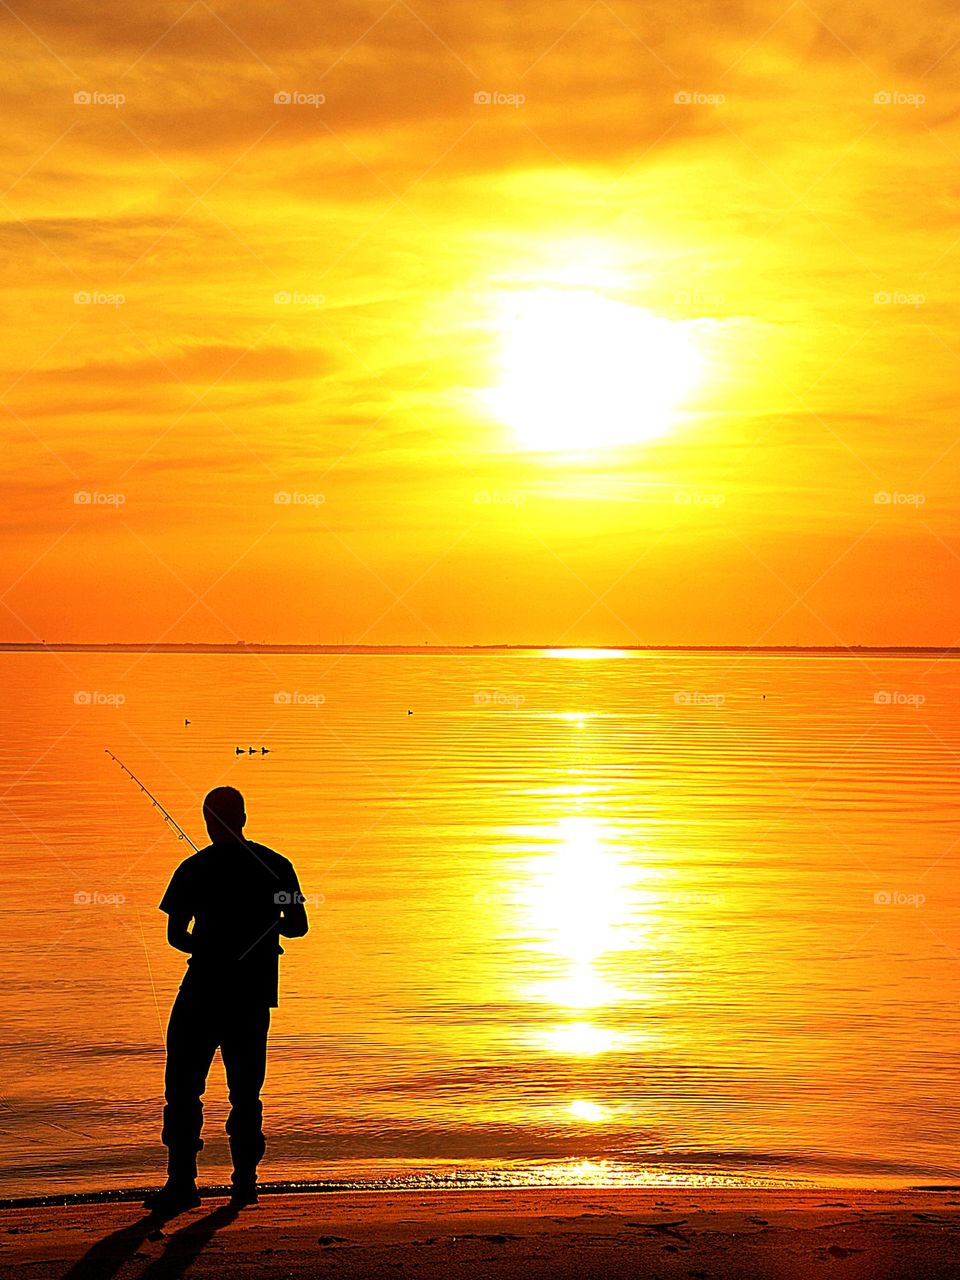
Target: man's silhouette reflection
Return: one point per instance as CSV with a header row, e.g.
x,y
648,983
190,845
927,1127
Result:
x,y
241,897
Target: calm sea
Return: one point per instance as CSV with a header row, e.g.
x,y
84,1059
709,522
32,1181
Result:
x,y
592,918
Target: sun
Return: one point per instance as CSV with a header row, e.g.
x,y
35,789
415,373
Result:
x,y
582,371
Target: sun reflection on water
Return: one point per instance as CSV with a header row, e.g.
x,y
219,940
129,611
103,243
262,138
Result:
x,y
582,1039
581,1109
581,908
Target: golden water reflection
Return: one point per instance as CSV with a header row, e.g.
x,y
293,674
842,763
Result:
x,y
583,905
581,1109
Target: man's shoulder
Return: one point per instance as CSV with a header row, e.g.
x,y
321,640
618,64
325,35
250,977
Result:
x,y
191,864
183,885
275,861
199,864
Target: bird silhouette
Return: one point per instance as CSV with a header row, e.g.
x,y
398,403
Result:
x,y
186,722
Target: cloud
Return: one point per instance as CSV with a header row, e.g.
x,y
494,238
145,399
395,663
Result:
x,y
196,366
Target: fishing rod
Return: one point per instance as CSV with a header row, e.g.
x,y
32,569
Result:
x,y
156,803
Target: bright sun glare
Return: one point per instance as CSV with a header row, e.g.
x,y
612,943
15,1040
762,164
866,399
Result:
x,y
581,371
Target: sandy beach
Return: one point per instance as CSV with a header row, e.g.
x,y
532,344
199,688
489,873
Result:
x,y
715,1234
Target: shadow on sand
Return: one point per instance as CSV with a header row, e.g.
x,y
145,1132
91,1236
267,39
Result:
x,y
104,1259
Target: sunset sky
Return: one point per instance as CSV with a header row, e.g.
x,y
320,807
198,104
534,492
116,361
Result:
x,y
571,323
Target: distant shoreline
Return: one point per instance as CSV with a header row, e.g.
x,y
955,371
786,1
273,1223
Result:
x,y
241,647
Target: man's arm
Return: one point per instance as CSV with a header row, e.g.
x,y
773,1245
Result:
x,y
293,915
178,933
178,903
293,919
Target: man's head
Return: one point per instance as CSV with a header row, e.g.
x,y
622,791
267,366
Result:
x,y
224,814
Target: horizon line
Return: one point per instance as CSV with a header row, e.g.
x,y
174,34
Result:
x,y
244,646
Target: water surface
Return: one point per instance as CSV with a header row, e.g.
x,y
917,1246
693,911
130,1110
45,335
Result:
x,y
632,917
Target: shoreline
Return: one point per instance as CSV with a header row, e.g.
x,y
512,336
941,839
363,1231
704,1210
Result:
x,y
396,1187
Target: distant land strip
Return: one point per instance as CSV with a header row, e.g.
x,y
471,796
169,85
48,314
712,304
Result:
x,y
243,646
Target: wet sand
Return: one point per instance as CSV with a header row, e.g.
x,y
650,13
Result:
x,y
568,1234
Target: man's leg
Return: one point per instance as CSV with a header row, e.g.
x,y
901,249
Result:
x,y
192,1036
244,1051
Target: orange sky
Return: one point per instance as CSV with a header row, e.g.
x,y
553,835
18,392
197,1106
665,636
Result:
x,y
795,221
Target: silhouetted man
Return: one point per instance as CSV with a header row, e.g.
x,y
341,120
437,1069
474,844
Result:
x,y
241,897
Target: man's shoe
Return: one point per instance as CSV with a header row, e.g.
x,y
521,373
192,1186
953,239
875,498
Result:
x,y
244,1194
174,1198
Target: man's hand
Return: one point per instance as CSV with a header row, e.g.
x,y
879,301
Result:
x,y
293,918
178,933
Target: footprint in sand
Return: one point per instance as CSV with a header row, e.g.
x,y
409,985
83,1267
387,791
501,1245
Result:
x,y
838,1251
